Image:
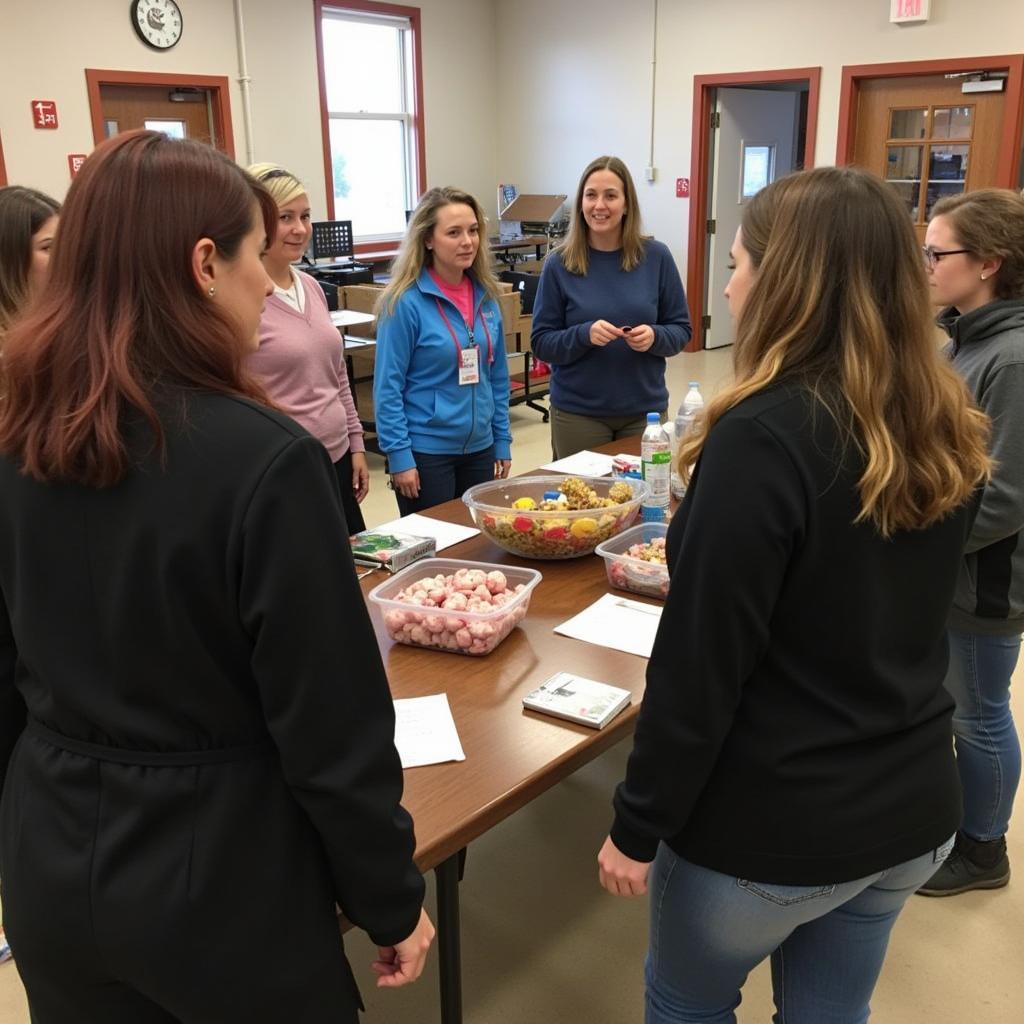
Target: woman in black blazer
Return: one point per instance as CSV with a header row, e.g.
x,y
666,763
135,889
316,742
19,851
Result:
x,y
195,724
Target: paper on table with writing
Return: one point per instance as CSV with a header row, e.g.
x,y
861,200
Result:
x,y
445,534
584,463
616,622
425,731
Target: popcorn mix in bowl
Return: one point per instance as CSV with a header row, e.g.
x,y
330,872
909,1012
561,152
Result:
x,y
554,516
451,605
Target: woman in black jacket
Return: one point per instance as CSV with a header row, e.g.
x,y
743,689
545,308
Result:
x,y
195,725
792,775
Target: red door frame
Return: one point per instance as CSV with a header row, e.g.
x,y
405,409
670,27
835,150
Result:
x,y
1010,143
3,169
700,150
398,11
218,85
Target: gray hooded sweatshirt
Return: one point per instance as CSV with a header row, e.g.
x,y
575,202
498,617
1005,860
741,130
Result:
x,y
987,348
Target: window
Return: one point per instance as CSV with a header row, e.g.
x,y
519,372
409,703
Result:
x,y
370,93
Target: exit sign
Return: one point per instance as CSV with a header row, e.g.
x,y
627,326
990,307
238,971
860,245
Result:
x,y
905,12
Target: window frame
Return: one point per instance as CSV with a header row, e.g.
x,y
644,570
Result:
x,y
417,168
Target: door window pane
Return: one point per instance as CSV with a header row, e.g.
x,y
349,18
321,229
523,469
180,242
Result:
x,y
953,122
369,163
908,124
903,163
910,196
362,66
758,169
172,129
948,163
938,190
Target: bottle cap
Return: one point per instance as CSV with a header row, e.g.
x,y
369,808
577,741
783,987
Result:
x,y
694,383
653,417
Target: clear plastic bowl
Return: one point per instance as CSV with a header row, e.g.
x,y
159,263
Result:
x,y
628,573
548,535
455,630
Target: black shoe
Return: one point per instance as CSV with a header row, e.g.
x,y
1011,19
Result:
x,y
972,865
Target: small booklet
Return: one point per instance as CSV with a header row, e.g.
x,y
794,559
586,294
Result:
x,y
578,699
391,551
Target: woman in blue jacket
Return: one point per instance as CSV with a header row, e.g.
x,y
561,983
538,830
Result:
x,y
440,385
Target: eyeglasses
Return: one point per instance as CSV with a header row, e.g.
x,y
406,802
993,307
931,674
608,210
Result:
x,y
933,256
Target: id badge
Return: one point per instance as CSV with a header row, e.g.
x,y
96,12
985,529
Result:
x,y
469,365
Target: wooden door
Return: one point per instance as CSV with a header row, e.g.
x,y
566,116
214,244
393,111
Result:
x,y
928,138
126,107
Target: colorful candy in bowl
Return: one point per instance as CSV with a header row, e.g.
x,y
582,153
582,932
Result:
x,y
551,517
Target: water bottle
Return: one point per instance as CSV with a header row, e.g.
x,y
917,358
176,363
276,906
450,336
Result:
x,y
692,404
656,463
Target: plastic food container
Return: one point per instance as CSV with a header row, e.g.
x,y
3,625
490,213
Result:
x,y
548,535
628,573
421,623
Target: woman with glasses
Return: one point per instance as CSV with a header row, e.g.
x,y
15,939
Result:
x,y
300,359
792,775
28,223
975,257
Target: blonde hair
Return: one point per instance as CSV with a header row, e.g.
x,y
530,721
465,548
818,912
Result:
x,y
413,254
281,184
575,250
990,222
840,305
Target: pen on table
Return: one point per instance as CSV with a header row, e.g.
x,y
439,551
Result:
x,y
638,608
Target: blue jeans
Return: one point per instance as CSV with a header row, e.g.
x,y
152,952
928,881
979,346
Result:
x,y
826,942
443,477
987,746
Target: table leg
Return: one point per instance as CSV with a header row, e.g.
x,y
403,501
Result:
x,y
449,955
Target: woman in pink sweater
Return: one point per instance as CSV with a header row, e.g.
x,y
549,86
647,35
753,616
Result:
x,y
300,359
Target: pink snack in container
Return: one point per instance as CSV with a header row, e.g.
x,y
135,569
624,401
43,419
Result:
x,y
446,604
635,560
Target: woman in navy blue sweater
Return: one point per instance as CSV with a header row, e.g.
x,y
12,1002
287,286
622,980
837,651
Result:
x,y
610,308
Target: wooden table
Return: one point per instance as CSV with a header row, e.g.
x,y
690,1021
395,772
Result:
x,y
502,248
512,755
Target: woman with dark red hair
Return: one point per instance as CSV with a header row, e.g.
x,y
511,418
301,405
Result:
x,y
195,725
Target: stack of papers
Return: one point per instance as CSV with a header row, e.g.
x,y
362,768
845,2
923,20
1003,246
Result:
x,y
445,534
584,463
425,731
616,622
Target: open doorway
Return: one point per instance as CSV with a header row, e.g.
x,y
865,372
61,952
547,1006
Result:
x,y
748,130
183,106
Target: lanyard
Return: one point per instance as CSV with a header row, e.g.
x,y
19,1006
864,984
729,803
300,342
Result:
x,y
469,330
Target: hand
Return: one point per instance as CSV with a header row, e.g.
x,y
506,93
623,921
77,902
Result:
x,y
619,874
502,468
601,332
639,339
360,476
407,483
403,962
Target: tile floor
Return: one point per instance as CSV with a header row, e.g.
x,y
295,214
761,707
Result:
x,y
542,944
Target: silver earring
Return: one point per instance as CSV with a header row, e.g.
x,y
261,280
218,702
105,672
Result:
x,y
213,291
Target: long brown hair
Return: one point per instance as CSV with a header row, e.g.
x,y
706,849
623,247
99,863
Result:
x,y
23,211
840,305
123,315
575,250
413,254
990,222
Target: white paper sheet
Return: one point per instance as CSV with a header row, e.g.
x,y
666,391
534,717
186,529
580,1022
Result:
x,y
425,731
445,534
584,463
616,622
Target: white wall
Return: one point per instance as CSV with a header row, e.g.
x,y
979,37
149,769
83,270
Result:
x,y
585,74
44,49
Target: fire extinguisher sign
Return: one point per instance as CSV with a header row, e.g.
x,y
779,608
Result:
x,y
44,113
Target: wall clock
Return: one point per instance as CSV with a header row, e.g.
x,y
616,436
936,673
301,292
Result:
x,y
157,22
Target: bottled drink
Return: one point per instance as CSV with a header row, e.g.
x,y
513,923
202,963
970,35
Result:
x,y
692,404
655,460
